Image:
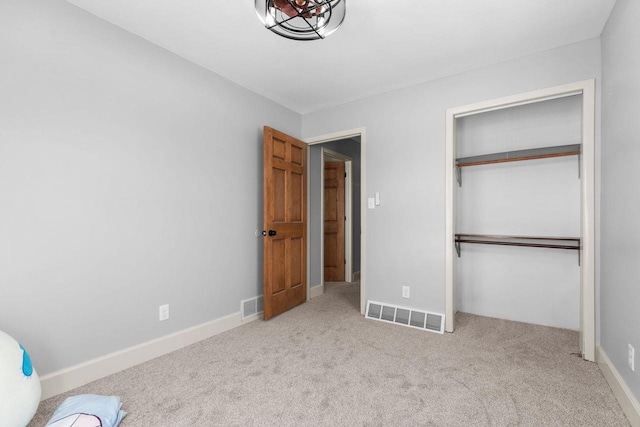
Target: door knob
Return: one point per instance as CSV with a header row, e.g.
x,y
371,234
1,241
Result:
x,y
272,232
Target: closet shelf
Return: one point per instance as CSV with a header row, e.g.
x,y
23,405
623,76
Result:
x,y
572,243
519,155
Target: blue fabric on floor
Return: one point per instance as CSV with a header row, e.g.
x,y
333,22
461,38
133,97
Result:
x,y
107,408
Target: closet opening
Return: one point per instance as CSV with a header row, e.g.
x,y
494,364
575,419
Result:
x,y
520,210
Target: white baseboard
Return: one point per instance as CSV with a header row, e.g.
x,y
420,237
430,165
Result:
x,y
316,291
356,276
625,397
75,376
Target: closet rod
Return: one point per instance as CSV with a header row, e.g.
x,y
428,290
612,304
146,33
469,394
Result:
x,y
571,243
496,236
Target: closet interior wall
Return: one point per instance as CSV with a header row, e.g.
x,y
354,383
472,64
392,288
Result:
x,y
525,198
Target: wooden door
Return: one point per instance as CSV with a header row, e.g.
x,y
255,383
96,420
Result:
x,y
334,222
285,222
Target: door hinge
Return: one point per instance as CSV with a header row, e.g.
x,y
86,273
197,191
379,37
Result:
x,y
345,174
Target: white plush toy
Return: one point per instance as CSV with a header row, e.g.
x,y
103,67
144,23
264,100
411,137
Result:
x,y
19,384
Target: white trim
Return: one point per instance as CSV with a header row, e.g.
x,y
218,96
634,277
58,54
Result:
x,y
75,376
521,99
321,184
351,133
309,225
316,290
348,210
348,226
587,195
450,220
361,132
336,155
588,227
625,396
482,109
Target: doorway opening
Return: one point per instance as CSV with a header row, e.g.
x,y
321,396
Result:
x,y
347,148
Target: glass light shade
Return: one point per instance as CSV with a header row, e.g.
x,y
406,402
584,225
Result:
x,y
301,19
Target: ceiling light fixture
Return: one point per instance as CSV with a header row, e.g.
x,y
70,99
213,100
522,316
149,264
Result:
x,y
302,19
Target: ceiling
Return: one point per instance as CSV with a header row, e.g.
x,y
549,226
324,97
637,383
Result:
x,y
382,45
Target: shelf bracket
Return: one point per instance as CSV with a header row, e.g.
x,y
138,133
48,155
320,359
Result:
x,y
459,175
457,245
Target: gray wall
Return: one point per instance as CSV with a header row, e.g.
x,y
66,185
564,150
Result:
x,y
351,148
620,245
405,151
532,198
129,178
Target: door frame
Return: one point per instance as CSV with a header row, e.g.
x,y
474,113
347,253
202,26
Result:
x,y
585,88
348,211
346,134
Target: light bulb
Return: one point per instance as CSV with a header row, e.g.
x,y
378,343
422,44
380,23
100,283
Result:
x,y
270,17
321,24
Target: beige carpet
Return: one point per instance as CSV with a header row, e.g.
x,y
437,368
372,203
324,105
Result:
x,y
324,364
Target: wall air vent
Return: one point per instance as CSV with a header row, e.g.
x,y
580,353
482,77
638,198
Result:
x,y
405,316
251,307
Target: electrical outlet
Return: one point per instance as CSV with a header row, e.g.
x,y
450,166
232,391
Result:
x,y
632,362
164,312
405,292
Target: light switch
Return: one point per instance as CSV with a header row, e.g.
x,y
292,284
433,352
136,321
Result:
x,y
371,202
377,199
